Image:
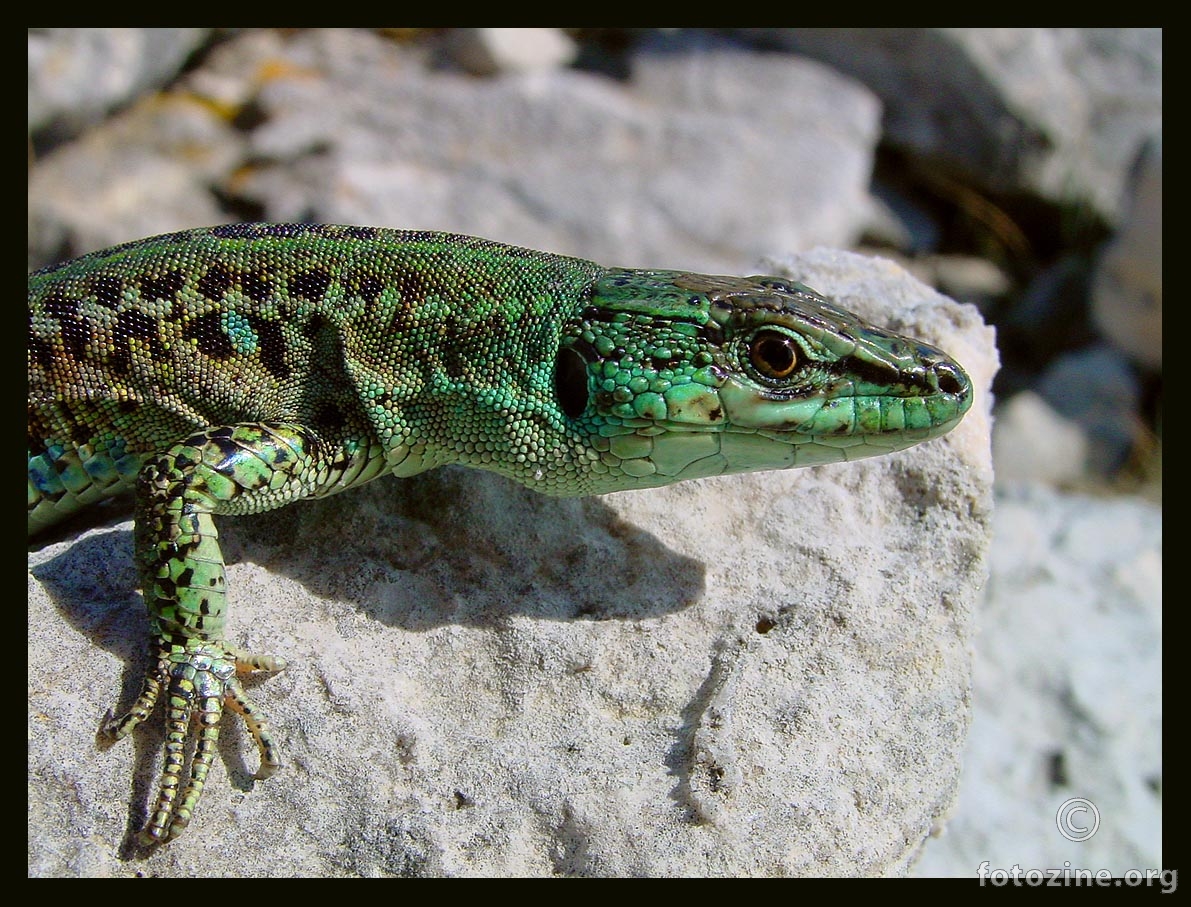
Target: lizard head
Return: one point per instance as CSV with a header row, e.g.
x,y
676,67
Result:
x,y
671,375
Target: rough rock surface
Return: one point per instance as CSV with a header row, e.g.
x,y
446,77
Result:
x,y
753,675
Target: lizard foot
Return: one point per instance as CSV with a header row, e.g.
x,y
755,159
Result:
x,y
200,680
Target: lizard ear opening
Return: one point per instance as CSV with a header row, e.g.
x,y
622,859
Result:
x,y
570,381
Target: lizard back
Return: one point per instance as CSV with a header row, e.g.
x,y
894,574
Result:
x,y
337,327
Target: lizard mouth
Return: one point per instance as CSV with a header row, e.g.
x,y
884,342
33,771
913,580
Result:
x,y
671,451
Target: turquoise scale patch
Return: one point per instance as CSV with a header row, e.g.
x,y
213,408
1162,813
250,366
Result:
x,y
42,474
243,338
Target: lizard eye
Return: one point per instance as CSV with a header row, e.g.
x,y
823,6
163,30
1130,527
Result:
x,y
570,381
773,354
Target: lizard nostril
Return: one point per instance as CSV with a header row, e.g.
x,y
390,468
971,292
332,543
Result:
x,y
949,380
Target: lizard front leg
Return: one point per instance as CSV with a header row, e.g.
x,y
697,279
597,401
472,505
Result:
x,y
234,469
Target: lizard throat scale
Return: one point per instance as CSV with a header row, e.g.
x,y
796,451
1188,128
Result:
x,y
240,368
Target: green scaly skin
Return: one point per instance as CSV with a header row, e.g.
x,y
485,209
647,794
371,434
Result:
x,y
240,368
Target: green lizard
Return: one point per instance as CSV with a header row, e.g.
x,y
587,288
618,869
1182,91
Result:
x,y
240,368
